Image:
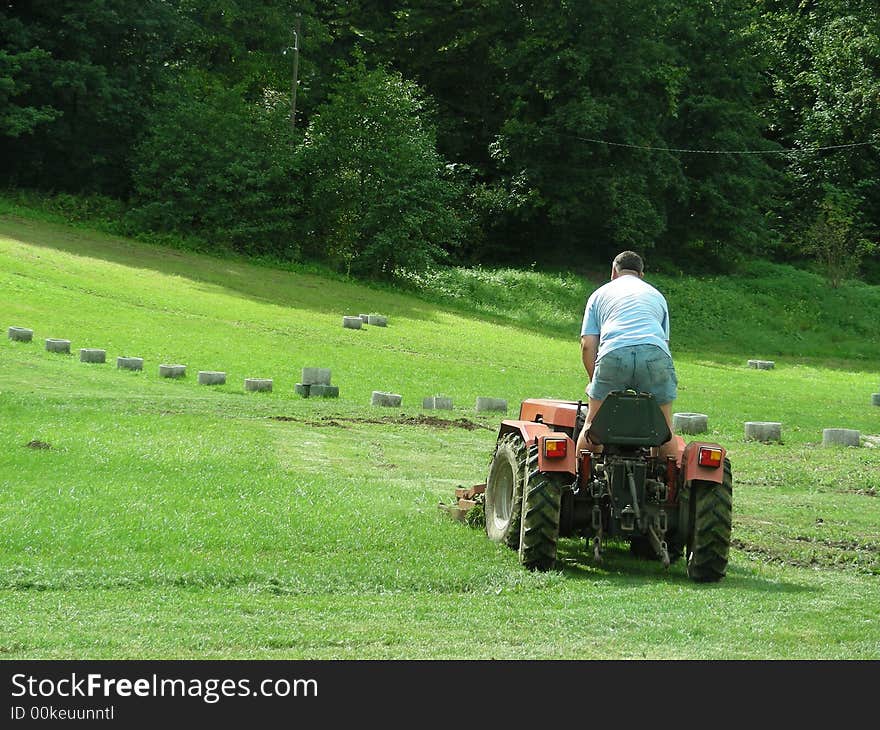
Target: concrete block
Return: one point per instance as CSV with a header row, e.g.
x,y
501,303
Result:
x,y
90,354
491,404
762,364
21,334
258,384
172,371
352,323
316,376
841,437
437,402
211,377
388,400
690,422
763,431
365,318
302,389
378,320
130,363
53,345
323,391
875,399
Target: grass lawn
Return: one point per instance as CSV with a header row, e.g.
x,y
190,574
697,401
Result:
x,y
165,519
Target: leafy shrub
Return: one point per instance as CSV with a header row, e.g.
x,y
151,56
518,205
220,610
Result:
x,y
377,198
220,167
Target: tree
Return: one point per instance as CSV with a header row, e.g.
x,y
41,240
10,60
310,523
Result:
x,y
82,74
15,69
219,167
823,92
378,200
835,237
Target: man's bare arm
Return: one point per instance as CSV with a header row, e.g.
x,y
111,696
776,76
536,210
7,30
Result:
x,y
589,350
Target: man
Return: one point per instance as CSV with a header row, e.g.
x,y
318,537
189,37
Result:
x,y
625,342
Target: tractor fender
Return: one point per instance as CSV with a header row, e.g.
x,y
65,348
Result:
x,y
530,432
691,468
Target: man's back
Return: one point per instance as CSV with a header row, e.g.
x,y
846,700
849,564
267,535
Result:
x,y
627,311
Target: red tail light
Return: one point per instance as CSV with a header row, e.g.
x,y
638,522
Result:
x,y
555,448
710,457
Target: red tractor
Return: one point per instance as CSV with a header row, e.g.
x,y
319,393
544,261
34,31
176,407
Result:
x,y
539,489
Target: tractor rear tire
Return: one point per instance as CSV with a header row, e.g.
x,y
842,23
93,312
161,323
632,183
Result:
x,y
504,491
712,518
542,499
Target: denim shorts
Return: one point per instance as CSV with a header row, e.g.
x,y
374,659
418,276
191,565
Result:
x,y
645,368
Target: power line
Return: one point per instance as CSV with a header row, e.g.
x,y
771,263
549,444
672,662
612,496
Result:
x,y
806,150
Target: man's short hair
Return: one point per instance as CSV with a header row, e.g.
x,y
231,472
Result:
x,y
628,260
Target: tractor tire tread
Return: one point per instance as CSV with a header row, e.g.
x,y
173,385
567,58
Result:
x,y
709,547
542,500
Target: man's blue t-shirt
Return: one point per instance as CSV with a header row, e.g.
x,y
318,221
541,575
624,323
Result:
x,y
627,311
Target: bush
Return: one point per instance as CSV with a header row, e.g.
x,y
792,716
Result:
x,y
221,168
377,196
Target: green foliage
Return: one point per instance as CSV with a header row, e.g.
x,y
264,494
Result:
x,y
563,124
15,68
824,62
83,75
378,199
219,167
834,237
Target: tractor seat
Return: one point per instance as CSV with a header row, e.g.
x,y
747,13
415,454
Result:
x,y
630,419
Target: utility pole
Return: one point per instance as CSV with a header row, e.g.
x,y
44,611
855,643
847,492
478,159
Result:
x,y
296,34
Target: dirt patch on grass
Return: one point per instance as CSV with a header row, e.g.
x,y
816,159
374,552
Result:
x,y
809,552
425,421
38,445
870,492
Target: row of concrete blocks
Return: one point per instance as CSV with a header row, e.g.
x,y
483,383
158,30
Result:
x,y
206,377
764,431
98,356
437,402
767,431
355,323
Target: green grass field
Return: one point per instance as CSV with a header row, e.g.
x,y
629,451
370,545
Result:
x,y
172,520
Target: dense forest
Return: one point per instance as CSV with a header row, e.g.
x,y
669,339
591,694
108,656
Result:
x,y
380,135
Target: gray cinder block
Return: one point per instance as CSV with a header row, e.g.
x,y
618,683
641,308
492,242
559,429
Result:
x,y
875,399
389,400
302,389
316,376
437,402
91,354
54,345
763,431
690,422
762,364
352,323
365,318
378,320
172,371
211,377
130,363
21,334
324,391
490,404
841,437
258,384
